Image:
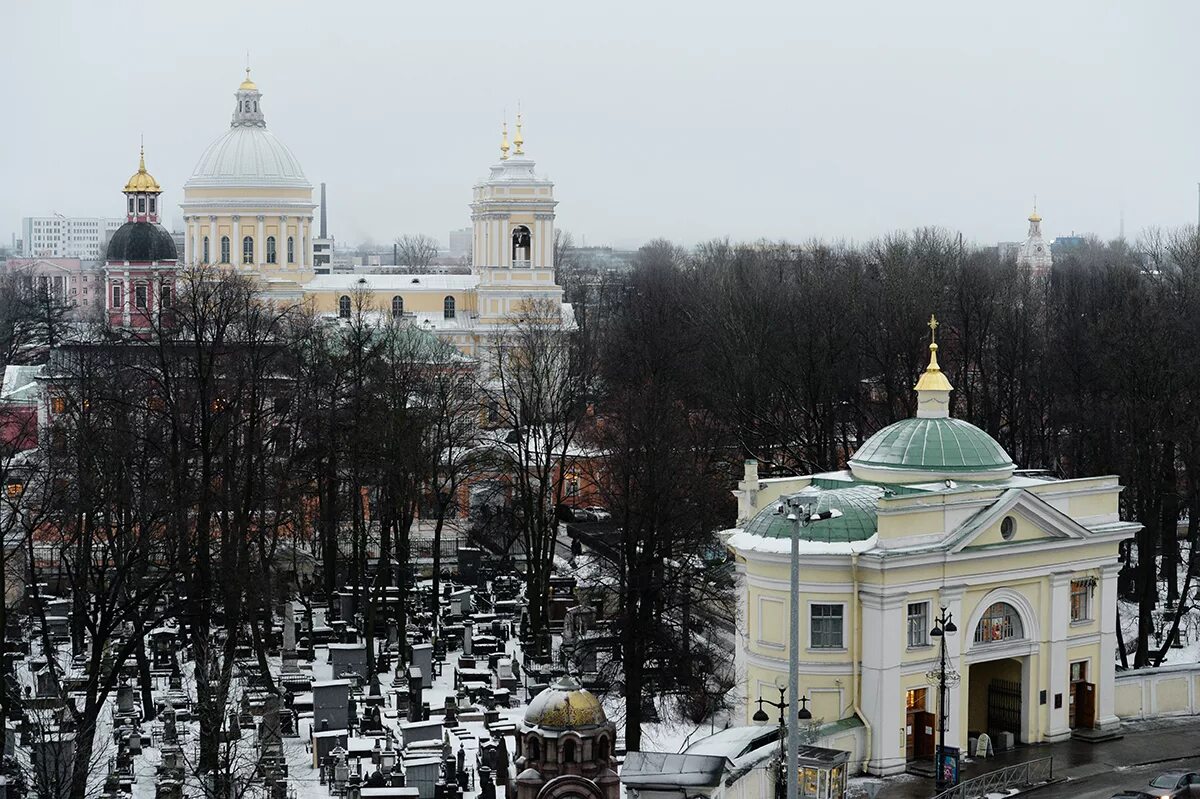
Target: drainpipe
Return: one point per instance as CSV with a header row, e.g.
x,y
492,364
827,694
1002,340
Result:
x,y
854,659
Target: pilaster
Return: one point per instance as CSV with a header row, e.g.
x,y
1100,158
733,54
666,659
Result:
x,y
1059,727
1106,667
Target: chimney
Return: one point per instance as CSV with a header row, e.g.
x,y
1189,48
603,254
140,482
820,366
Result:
x,y
324,226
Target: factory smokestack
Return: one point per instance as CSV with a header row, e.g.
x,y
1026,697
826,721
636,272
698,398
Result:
x,y
324,220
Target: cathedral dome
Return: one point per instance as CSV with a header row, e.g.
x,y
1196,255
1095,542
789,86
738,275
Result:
x,y
248,155
915,448
565,705
141,242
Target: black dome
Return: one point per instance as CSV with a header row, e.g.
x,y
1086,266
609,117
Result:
x,y
141,241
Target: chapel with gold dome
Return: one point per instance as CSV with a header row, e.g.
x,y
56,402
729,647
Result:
x,y
565,746
932,513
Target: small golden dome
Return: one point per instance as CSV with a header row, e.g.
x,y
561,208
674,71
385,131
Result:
x,y
247,84
933,379
565,705
142,181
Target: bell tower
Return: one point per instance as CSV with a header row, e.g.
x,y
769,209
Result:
x,y
512,252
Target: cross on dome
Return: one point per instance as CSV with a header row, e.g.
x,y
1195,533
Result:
x,y
933,388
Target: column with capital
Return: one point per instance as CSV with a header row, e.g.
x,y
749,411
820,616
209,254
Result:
x,y
212,241
281,258
235,246
301,242
1059,700
260,246
126,301
197,249
189,244
1106,702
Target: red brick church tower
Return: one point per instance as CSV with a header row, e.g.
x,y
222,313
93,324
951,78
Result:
x,y
139,265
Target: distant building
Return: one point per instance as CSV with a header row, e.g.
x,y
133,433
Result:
x,y
1066,244
460,242
1035,254
71,280
82,237
1008,250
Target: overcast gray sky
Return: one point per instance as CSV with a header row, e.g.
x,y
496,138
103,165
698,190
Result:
x,y
688,120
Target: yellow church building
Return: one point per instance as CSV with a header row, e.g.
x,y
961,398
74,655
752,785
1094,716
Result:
x,y
248,207
934,514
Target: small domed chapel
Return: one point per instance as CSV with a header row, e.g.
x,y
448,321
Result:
x,y
565,746
932,513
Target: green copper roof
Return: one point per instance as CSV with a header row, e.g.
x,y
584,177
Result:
x,y
938,444
857,522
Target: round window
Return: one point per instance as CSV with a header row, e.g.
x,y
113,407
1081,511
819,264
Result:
x,y
1008,528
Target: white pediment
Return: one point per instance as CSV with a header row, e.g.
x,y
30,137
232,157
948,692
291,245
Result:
x,y
1034,520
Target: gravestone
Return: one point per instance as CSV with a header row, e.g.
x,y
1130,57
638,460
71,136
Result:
x,y
270,733
422,658
416,682
468,630
347,659
289,655
331,704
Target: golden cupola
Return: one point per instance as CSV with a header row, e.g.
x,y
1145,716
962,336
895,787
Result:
x,y
142,181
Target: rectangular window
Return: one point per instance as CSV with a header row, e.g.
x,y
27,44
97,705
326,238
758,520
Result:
x,y
826,628
139,295
918,624
1081,600
116,296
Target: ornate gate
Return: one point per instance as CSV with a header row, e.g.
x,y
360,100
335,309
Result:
x,y
1004,709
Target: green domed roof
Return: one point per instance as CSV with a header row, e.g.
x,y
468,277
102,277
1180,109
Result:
x,y
857,522
933,444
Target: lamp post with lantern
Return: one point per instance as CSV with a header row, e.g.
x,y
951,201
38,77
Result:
x,y
943,625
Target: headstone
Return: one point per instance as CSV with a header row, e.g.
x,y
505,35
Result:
x,y
331,703
416,681
289,655
349,659
422,658
468,629
270,732
451,715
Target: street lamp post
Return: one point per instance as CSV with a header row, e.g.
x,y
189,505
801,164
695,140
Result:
x,y
943,625
760,717
800,513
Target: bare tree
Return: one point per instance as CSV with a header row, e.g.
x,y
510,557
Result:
x,y
416,250
537,383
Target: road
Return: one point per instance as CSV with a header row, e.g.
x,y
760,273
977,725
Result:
x,y
1108,780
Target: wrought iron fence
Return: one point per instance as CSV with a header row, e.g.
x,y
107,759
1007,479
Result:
x,y
1024,774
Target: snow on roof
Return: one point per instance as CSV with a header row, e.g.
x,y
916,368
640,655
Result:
x,y
20,383
748,542
662,769
735,742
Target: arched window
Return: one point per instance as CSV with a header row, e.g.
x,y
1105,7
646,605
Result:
x,y
291,250
568,751
531,746
521,246
205,249
117,295
602,749
397,306
247,250
270,249
224,249
448,308
344,306
1000,622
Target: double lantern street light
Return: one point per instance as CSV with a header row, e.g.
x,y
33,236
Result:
x,y
943,625
761,717
799,510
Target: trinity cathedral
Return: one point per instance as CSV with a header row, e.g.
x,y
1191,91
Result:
x,y
249,207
